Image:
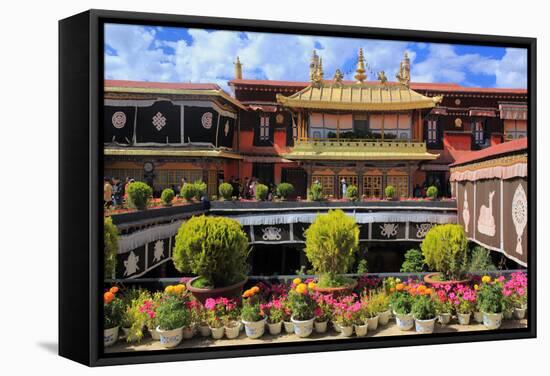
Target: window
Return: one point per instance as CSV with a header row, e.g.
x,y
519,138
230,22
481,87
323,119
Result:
x,y
122,174
432,132
372,186
360,125
515,129
173,178
264,128
350,180
400,183
479,137
327,183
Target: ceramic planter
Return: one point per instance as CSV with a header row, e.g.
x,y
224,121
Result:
x,y
373,322
478,317
154,334
232,331
188,332
230,292
346,331
384,317
492,320
361,330
424,326
254,329
170,338
320,327
217,333
289,327
444,318
204,330
110,336
337,291
508,314
275,329
463,318
336,327
519,313
302,328
404,321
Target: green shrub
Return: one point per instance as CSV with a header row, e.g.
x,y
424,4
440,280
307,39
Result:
x,y
401,302
139,194
251,311
172,313
284,190
261,192
112,313
480,261
214,248
110,247
445,250
315,192
331,243
432,192
414,261
352,193
226,191
362,264
200,189
423,307
167,196
490,298
188,191
389,191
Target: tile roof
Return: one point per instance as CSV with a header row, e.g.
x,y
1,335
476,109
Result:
x,y
492,151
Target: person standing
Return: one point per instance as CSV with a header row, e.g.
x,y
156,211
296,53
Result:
x,y
117,190
344,187
107,192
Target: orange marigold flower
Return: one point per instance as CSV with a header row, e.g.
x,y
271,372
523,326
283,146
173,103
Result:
x,y
311,285
297,281
169,289
113,289
301,288
428,291
255,289
392,289
399,287
108,297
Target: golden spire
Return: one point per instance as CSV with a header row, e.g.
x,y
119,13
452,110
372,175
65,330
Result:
x,y
238,69
404,75
320,73
313,65
360,75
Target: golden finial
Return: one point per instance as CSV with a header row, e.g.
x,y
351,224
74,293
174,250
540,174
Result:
x,y
238,69
404,74
360,75
320,73
314,63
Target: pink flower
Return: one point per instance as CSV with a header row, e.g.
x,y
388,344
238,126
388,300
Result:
x,y
210,304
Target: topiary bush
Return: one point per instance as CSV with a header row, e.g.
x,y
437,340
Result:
x,y
261,192
445,249
432,192
167,196
284,190
352,193
110,246
389,191
139,194
315,192
331,243
200,189
226,191
480,260
414,262
188,191
214,248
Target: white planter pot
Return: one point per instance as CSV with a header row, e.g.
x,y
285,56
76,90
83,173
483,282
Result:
x,y
346,331
188,332
254,329
275,329
320,327
361,330
302,328
373,322
170,338
336,327
110,336
217,333
444,318
519,313
125,331
232,332
492,320
384,317
154,334
204,330
478,317
289,327
507,315
404,322
464,318
424,326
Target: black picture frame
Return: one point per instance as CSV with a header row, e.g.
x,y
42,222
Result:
x,y
80,159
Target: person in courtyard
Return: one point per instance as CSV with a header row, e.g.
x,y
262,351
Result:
x,y
107,192
117,191
344,187
244,191
417,192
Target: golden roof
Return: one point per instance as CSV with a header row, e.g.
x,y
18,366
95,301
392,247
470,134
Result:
x,y
358,97
169,152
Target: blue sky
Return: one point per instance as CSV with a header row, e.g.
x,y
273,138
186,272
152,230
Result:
x,y
169,54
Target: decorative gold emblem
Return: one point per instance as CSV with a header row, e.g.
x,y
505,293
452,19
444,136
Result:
x,y
458,122
279,118
458,101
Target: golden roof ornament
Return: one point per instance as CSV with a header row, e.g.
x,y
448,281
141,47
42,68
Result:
x,y
338,77
404,74
382,77
313,65
360,75
238,69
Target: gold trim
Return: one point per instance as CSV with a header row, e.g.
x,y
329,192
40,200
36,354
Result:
x,y
497,162
169,153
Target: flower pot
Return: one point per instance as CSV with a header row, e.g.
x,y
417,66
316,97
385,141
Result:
x,y
126,331
170,338
302,328
492,320
110,336
275,329
204,330
424,326
232,331
346,331
154,334
188,332
254,329
478,317
463,318
361,330
519,313
289,326
444,318
373,322
336,327
337,291
432,280
217,333
404,321
384,317
508,314
320,327
230,292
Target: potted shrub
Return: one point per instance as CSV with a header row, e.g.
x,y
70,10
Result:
x,y
389,192
284,190
331,243
110,247
133,318
424,312
226,191
274,311
252,314
188,191
261,192
200,188
490,302
139,194
302,305
381,301
323,312
315,192
167,196
414,262
465,302
401,302
215,249
172,317
445,250
432,192
352,194
113,309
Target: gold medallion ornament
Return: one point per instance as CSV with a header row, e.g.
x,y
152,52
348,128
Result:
x,y
458,122
279,118
206,120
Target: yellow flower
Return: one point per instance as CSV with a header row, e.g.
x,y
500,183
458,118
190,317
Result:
x,y
179,289
486,279
311,285
476,287
297,281
301,288
169,289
